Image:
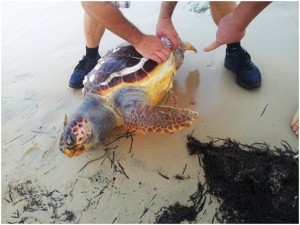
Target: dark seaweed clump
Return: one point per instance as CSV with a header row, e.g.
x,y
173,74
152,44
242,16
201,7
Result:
x,y
178,213
198,7
253,183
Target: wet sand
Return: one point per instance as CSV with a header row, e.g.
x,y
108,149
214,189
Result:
x,y
41,44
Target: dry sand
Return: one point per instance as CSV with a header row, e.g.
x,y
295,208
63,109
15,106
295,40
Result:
x,y
41,44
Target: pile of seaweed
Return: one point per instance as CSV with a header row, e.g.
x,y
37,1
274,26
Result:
x,y
178,213
253,183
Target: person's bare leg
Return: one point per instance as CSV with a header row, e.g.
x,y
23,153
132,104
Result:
x,y
93,31
220,9
295,123
237,59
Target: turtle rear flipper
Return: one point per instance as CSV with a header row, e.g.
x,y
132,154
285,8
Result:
x,y
160,119
170,99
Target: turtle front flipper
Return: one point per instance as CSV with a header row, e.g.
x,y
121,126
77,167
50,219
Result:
x,y
160,119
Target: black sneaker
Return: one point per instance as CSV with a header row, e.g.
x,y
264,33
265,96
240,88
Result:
x,y
84,66
239,62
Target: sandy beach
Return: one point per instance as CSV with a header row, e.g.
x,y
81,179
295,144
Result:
x,y
132,177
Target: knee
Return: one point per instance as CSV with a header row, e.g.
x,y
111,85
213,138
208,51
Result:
x,y
224,7
86,5
220,9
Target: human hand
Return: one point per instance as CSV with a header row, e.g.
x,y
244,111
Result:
x,y
228,32
151,47
295,123
165,28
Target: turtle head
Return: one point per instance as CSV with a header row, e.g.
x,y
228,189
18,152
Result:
x,y
179,52
77,136
88,127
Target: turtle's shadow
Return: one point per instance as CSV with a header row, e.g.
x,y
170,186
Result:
x,y
187,95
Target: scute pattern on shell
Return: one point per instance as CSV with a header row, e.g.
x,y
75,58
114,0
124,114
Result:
x,y
122,65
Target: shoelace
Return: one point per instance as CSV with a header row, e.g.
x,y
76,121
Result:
x,y
81,63
246,60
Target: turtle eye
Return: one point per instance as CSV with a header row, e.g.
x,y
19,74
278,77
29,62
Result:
x,y
70,140
81,147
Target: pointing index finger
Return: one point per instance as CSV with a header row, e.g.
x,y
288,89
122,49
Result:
x,y
212,46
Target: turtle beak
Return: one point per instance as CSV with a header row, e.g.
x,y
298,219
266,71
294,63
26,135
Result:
x,y
68,152
74,151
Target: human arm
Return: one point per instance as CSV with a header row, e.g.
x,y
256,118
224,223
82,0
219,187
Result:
x,y
164,27
112,19
232,27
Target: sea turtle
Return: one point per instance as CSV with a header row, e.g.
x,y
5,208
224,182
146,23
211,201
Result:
x,y
125,88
